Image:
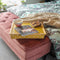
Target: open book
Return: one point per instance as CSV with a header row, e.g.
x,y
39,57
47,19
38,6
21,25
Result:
x,y
26,30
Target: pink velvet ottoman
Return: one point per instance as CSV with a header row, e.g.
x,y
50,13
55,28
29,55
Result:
x,y
25,49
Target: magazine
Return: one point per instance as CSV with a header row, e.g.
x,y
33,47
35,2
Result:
x,y
26,30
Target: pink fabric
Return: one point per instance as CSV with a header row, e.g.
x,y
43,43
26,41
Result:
x,y
6,19
24,53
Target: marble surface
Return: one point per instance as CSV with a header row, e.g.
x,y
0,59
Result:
x,y
6,53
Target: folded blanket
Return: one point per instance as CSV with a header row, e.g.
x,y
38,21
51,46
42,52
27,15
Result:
x,y
52,19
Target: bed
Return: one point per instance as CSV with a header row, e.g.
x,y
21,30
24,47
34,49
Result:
x,y
52,7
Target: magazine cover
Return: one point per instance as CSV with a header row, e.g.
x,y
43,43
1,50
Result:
x,y
26,30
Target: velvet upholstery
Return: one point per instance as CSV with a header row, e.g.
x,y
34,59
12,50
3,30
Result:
x,y
25,49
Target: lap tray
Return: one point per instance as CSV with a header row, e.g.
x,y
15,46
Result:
x,y
15,35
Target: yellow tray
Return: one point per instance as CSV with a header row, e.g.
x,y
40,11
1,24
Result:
x,y
40,35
